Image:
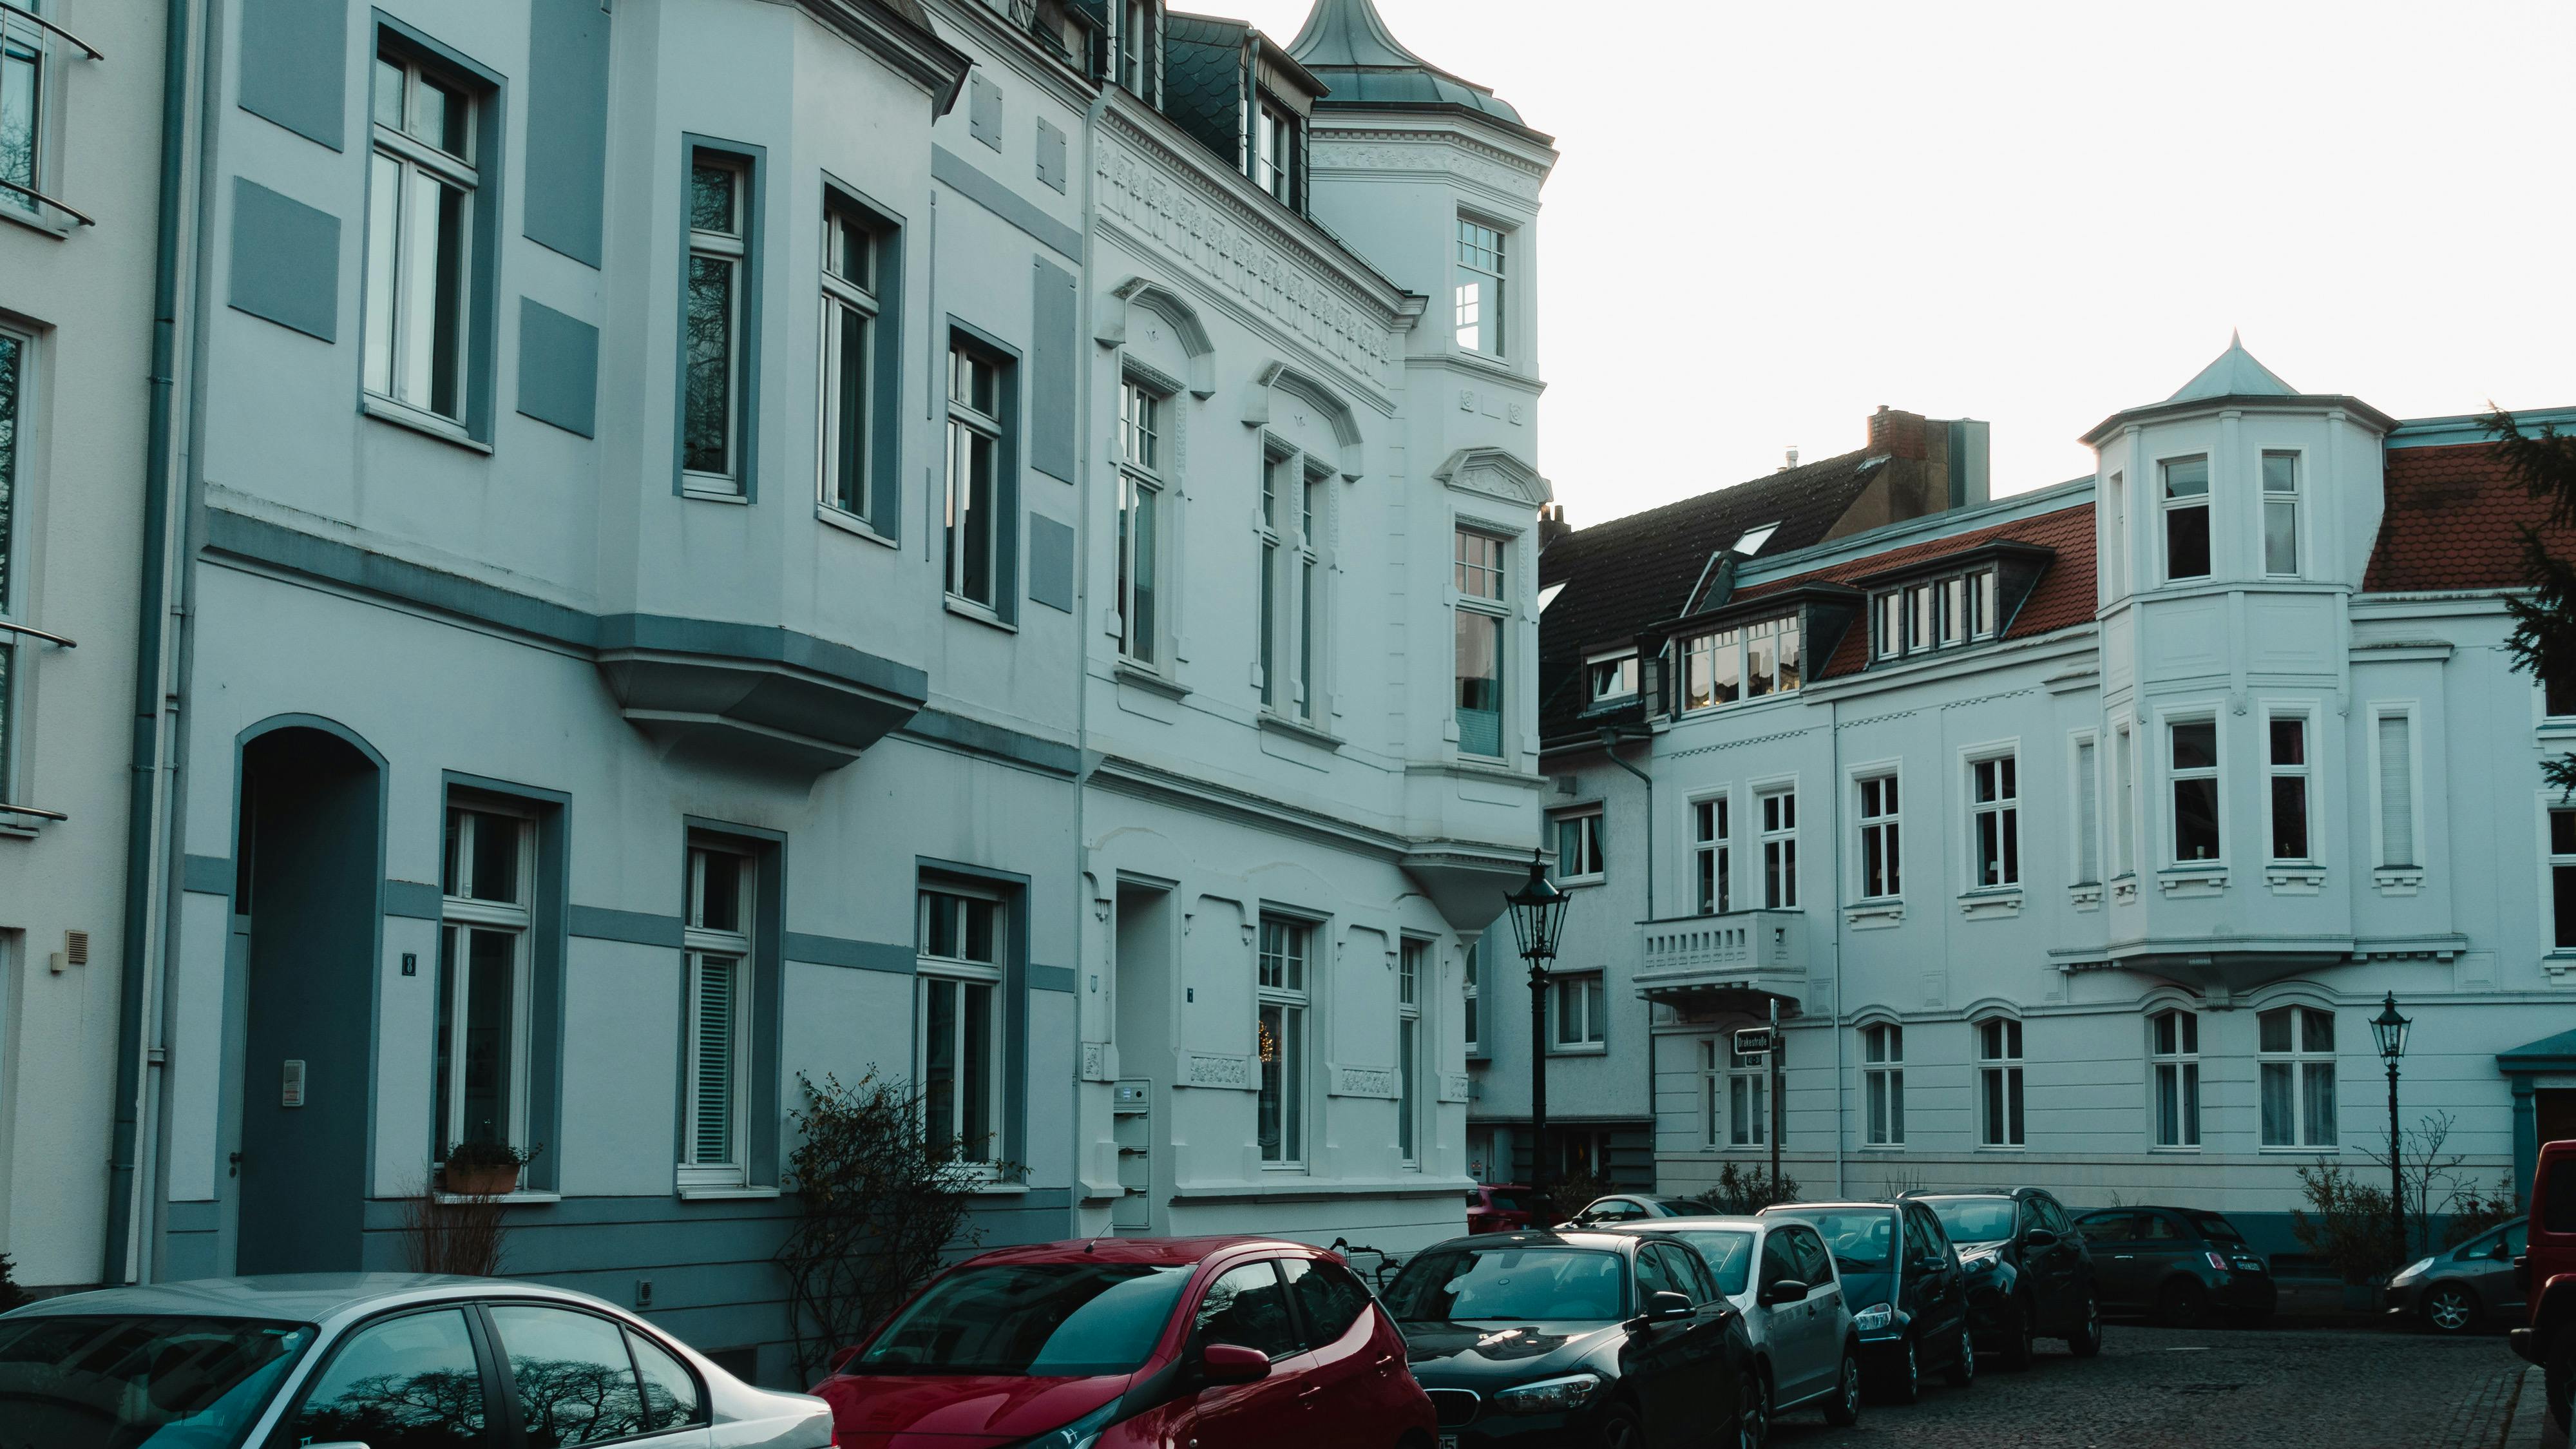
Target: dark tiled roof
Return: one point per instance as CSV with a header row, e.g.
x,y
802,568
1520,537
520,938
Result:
x,y
2454,520
1203,80
1347,45
1630,572
2063,596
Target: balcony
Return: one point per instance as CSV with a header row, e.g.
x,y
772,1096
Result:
x,y
1704,966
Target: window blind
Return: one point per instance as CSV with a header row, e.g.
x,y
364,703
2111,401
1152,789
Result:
x,y
2396,792
711,1107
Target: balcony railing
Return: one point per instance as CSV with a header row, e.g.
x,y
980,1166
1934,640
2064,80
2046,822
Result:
x,y
1741,954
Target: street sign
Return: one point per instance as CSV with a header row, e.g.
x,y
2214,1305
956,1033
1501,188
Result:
x,y
1753,1041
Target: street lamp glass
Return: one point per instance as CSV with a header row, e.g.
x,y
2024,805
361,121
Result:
x,y
2390,1029
1538,913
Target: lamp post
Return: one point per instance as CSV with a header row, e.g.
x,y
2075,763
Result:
x,y
1537,910
2390,1030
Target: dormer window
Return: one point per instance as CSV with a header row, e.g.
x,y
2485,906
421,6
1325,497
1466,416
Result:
x,y
1753,539
1936,613
1139,54
1614,678
1274,150
1746,662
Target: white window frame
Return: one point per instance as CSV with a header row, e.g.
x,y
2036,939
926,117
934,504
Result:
x,y
2001,1088
1580,999
2168,505
1994,802
704,947
845,296
1144,441
1712,1096
2385,853
1748,1098
733,248
2176,776
1738,649
1775,821
967,426
2304,771
2124,798
2556,939
32,44
1471,990
2173,1076
463,915
1139,54
2117,575
1711,822
1470,577
2298,1063
1612,677
2086,762
1480,274
390,319
1882,1055
1878,818
1412,981
1939,612
965,973
1590,863
1273,162
1285,982
2284,501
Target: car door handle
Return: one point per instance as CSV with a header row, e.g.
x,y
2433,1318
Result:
x,y
2123,1257
1385,1364
1309,1394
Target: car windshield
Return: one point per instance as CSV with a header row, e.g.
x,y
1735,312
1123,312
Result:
x,y
1863,1240
1729,1255
1030,1320
1519,1284
2215,1228
1505,1202
128,1381
1975,1219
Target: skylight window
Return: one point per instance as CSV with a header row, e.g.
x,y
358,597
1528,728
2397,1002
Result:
x,y
1753,539
1547,596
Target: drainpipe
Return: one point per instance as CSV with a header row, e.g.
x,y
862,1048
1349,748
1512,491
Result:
x,y
1610,748
125,1247
1833,903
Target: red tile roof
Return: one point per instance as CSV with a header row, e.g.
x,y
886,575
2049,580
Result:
x,y
2063,596
2454,520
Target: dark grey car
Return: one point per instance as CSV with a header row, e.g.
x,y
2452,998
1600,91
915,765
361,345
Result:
x,y
2458,1289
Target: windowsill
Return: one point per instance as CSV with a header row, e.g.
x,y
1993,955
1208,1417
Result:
x,y
36,223
1874,915
1601,1050
712,492
851,524
1882,1147
446,430
2176,1150
2398,880
507,1199
1574,882
2291,1151
2003,1147
2085,895
2200,878
969,609
2294,878
1501,367
724,1194
1146,677
1298,729
1991,904
999,1189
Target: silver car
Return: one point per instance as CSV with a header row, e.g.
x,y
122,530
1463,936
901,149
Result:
x,y
1779,1274
384,1360
2458,1289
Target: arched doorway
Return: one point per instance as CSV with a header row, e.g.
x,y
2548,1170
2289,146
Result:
x,y
308,875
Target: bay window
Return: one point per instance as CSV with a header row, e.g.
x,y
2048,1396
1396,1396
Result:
x,y
714,394
1747,661
1479,283
1481,612
2186,510
2281,514
2193,764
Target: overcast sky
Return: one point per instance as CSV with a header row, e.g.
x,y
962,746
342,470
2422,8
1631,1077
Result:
x,y
1771,218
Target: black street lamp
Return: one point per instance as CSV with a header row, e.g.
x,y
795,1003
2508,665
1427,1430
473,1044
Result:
x,y
1537,910
2390,1030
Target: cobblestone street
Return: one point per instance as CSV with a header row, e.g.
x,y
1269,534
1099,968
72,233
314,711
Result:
x,y
2156,1388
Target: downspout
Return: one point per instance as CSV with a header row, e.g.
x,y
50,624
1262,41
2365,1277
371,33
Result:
x,y
1833,901
124,1246
1610,748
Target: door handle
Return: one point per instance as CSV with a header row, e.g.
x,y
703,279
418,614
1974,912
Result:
x,y
2123,1257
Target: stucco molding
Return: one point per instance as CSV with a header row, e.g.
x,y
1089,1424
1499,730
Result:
x,y
1495,473
1169,305
1377,1082
1217,1071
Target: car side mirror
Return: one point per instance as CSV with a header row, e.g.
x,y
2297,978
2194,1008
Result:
x,y
1785,1290
2500,1252
1665,1306
1229,1363
842,1358
2039,1238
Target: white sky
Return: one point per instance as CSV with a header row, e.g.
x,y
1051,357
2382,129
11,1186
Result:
x,y
1770,218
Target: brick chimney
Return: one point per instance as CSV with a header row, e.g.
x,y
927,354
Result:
x,y
1552,525
1899,434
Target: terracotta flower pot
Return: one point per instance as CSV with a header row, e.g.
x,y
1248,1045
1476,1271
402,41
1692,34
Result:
x,y
482,1181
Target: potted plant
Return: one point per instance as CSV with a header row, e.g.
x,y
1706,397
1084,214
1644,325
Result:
x,y
486,1169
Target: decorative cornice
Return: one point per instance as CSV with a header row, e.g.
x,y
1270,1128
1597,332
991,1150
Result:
x,y
1495,473
1427,153
882,31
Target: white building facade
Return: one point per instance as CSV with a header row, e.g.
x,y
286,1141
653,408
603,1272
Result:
x,y
2079,836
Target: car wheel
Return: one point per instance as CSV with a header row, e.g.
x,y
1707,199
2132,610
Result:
x,y
2086,1340
2182,1304
2015,1335
1753,1416
2450,1308
1902,1381
2560,1361
1843,1409
1963,1369
1620,1429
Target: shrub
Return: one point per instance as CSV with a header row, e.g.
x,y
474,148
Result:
x,y
1749,1191
11,1295
2349,1231
2474,1210
453,1235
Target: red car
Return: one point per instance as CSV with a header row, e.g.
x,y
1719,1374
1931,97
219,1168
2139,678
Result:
x,y
1504,1209
1134,1343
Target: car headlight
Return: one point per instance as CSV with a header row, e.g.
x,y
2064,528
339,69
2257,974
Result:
x,y
2411,1271
1082,1433
1549,1396
1978,1260
1874,1317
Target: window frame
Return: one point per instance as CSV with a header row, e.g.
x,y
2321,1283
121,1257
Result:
x,y
1413,976
2177,776
1878,819
1995,865
1882,1064
1144,408
1590,824
1748,1086
460,919
2557,875
1471,991
963,973
2384,857
2124,825
1275,161
1476,239
2303,772
2299,1061
1622,669
2001,1085
2178,1065
1136,54
2169,505
737,482
1497,610
2285,499
1734,650
477,174
1709,820
1587,993
1936,612
1776,834
1000,428
880,301
1296,1003
699,942
31,204
2086,762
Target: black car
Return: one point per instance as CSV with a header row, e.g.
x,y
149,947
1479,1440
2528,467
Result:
x,y
2029,1275
1906,1288
1636,1207
2179,1264
1620,1340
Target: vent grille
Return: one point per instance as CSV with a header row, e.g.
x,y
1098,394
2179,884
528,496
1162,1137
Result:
x,y
76,947
1454,1406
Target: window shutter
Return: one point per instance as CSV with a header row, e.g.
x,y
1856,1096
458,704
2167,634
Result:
x,y
711,1110
2088,814
2396,792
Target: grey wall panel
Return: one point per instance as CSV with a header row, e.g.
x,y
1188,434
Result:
x,y
415,900
286,261
984,112
567,165
1050,154
953,170
639,928
1051,562
558,368
294,65
1054,384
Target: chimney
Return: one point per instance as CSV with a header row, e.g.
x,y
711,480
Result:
x,y
1790,462
1971,471
1897,434
1552,525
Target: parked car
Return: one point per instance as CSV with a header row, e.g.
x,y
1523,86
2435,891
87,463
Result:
x,y
2029,1273
2459,1288
2178,1264
1631,1207
1780,1276
1616,1340
386,1359
1120,1343
1898,1265
2547,1273
1504,1208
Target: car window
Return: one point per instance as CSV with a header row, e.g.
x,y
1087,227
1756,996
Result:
x,y
399,1383
2558,1197
1814,1263
1511,1282
1654,1276
1248,1307
2517,1237
1329,1297
2052,1217
1687,1269
1613,1210
1919,1246
1729,1255
575,1383
671,1393
1475,1198
1975,1219
1777,1265
134,1379
2108,1227
2156,1227
2216,1228
1034,1320
1863,1240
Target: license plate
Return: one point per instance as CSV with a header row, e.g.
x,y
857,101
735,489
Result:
x,y
1448,1441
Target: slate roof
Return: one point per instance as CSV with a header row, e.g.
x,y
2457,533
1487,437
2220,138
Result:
x,y
2454,520
1203,80
1347,45
2235,373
